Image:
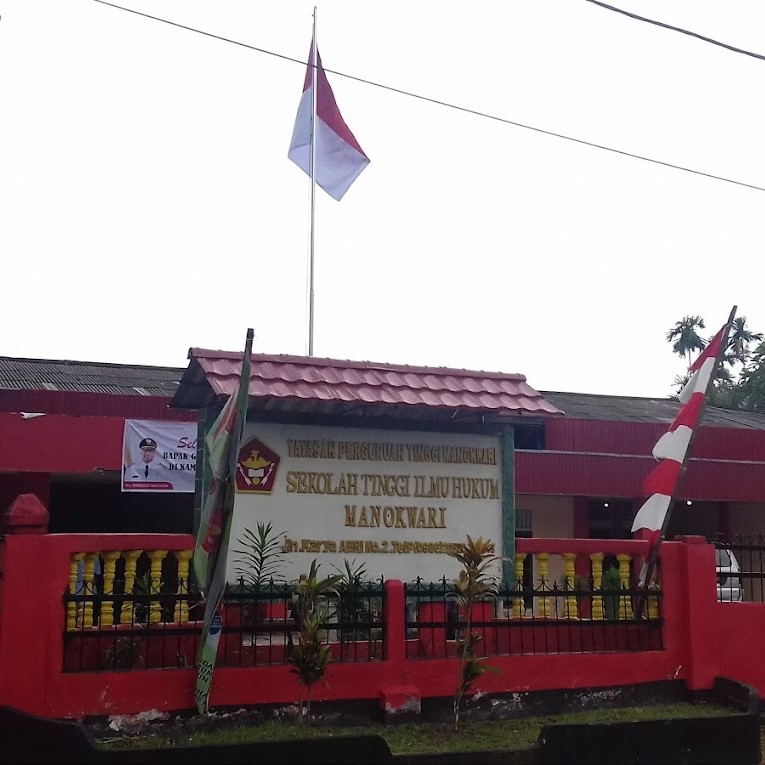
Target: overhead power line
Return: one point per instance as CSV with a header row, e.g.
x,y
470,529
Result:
x,y
677,29
439,102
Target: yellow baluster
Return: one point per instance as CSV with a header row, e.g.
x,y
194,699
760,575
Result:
x,y
155,581
88,589
181,613
569,561
625,601
597,580
519,607
653,601
545,602
107,606
73,610
653,607
131,558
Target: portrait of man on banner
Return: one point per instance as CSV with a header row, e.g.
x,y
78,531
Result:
x,y
158,456
149,468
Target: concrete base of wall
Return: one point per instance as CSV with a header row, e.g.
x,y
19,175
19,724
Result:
x,y
731,738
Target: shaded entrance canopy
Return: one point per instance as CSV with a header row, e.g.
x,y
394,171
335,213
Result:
x,y
308,385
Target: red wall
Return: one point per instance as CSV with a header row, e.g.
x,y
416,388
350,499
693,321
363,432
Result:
x,y
32,621
740,630
618,437
58,443
613,475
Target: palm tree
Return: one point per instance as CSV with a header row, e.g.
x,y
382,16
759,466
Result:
x,y
738,341
680,382
758,354
684,336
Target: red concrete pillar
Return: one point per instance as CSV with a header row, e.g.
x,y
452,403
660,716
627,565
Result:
x,y
25,602
395,627
26,515
697,564
398,699
37,484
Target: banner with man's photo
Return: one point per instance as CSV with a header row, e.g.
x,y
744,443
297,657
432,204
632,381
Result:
x,y
158,455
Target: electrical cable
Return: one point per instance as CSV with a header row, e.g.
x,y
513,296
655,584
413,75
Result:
x,y
438,102
677,29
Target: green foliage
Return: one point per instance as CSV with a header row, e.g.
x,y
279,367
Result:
x,y
579,583
739,339
353,610
402,738
752,381
310,658
685,338
260,558
474,583
611,586
740,380
142,598
124,654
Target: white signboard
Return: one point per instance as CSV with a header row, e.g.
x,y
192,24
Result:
x,y
158,455
395,501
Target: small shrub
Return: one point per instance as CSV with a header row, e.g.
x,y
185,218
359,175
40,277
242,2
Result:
x,y
353,611
124,654
310,658
474,583
260,558
611,587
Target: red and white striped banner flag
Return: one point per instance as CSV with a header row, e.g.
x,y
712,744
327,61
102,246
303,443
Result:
x,y
672,448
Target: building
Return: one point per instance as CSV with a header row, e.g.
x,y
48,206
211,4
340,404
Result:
x,y
330,443
61,428
579,460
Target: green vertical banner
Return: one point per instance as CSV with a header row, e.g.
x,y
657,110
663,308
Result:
x,y
508,505
211,549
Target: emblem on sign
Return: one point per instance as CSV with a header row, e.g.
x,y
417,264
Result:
x,y
256,467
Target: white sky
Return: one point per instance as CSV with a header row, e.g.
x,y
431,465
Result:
x,y
148,204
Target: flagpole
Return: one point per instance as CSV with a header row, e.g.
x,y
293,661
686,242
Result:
x,y
654,555
314,78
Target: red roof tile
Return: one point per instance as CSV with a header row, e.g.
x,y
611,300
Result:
x,y
286,381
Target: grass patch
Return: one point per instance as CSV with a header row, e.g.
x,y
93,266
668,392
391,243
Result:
x,y
411,738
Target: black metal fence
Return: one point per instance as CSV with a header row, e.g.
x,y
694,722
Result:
x,y
542,619
265,620
740,569
150,630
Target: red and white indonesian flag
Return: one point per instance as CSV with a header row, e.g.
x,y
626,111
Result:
x,y
672,447
338,158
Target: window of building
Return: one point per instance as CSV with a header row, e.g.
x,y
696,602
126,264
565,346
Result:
x,y
610,518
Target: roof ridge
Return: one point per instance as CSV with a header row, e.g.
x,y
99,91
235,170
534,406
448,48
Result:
x,y
111,364
349,364
607,395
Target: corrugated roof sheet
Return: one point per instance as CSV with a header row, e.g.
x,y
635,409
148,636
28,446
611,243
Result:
x,y
301,383
87,377
589,406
